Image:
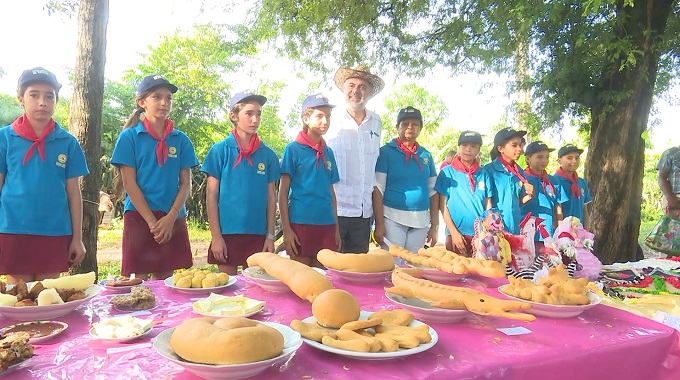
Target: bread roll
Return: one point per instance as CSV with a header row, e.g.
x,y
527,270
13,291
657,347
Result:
x,y
335,307
76,281
375,260
225,341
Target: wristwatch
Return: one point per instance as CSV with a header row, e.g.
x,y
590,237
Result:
x,y
271,236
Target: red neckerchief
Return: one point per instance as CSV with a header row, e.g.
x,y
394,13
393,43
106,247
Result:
x,y
24,129
512,168
544,179
457,164
575,191
304,139
252,147
161,147
408,152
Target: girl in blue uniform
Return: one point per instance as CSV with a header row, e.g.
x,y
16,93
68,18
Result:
x,y
405,204
241,197
548,194
464,193
40,231
306,196
576,188
154,160
510,186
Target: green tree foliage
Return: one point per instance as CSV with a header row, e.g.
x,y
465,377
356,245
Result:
x,y
9,109
600,60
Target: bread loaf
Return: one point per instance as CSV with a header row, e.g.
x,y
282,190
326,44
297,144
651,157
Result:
x,y
375,260
225,341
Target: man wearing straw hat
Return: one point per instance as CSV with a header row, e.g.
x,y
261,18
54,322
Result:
x,y
354,137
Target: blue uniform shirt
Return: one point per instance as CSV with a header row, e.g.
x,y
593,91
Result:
x,y
33,199
464,205
310,200
243,189
137,149
543,203
507,191
406,187
574,206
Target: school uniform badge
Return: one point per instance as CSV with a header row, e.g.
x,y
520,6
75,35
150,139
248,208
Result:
x,y
426,161
481,185
172,152
329,165
260,168
61,160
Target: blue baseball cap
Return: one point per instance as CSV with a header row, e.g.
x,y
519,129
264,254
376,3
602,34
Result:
x,y
569,148
536,146
316,100
506,134
39,75
244,96
152,81
409,113
470,137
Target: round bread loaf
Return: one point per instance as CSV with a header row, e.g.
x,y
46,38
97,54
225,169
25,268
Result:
x,y
335,307
225,341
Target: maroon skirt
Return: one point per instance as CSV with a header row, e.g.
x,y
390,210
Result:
x,y
239,247
141,253
468,245
33,254
313,238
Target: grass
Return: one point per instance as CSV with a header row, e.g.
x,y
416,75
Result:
x,y
645,229
110,236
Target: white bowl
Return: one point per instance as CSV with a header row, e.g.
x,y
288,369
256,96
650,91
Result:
x,y
38,313
434,274
373,355
267,282
292,341
216,289
55,328
423,311
361,277
556,311
93,334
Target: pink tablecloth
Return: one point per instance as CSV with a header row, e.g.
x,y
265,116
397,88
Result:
x,y
603,343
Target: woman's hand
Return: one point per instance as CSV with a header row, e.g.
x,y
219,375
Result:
x,y
291,241
76,252
162,230
219,249
268,245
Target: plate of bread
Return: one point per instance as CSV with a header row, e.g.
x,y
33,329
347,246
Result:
x,y
47,299
196,281
267,282
434,274
361,268
120,284
425,312
555,295
215,349
383,335
120,329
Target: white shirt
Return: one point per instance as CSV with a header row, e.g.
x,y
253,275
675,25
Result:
x,y
356,149
413,219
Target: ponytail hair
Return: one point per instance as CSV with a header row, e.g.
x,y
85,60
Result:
x,y
135,117
494,153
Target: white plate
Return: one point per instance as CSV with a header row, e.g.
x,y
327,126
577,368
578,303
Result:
x,y
360,277
55,328
94,335
267,282
556,311
434,274
425,312
373,355
37,313
246,315
216,289
118,289
292,341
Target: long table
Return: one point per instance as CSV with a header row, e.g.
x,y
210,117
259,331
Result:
x,y
602,343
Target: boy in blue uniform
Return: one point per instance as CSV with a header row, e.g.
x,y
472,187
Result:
x,y
510,186
404,200
41,214
241,195
578,194
465,193
306,196
549,195
154,160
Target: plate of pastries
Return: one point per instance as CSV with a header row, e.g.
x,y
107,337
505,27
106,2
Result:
x,y
199,281
361,268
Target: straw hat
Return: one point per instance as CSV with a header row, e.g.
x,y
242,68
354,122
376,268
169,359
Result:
x,y
361,71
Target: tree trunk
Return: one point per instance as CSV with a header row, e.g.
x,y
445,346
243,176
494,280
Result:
x,y
616,154
86,114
